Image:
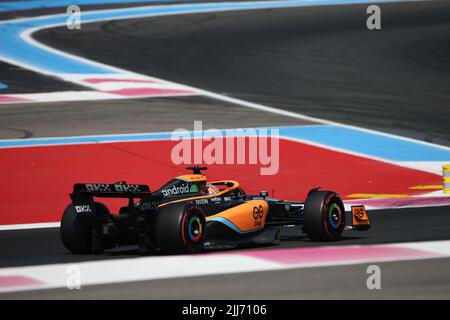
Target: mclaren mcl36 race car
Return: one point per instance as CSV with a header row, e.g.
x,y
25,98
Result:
x,y
191,214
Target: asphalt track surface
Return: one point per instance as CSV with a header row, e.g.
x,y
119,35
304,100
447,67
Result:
x,y
141,115
317,61
35,82
44,246
406,279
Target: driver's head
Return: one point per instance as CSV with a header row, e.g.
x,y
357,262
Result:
x,y
212,189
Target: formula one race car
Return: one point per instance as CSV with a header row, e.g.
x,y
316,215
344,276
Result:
x,y
189,214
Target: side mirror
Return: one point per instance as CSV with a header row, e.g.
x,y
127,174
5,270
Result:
x,y
263,194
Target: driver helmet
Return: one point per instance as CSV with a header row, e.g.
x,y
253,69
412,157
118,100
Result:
x,y
212,189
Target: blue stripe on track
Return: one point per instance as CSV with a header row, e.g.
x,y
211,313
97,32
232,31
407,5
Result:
x,y
42,4
368,143
36,142
343,138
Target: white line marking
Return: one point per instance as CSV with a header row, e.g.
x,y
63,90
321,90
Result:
x,y
26,226
430,166
65,96
439,247
70,96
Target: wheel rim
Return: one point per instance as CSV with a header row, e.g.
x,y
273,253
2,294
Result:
x,y
195,229
335,216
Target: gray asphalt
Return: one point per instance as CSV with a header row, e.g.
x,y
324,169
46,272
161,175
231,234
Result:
x,y
14,77
44,246
140,115
321,61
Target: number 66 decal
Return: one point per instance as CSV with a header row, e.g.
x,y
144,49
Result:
x,y
258,212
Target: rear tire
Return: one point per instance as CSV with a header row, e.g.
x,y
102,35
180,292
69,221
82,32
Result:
x,y
180,229
76,234
324,216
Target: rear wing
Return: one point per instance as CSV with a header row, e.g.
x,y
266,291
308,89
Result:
x,y
83,196
115,190
85,191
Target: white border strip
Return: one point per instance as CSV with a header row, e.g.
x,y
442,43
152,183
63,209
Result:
x,y
27,226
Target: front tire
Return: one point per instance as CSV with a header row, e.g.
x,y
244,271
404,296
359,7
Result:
x,y
324,216
180,229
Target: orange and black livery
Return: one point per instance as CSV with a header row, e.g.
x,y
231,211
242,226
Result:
x,y
190,214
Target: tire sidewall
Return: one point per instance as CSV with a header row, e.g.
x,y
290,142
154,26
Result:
x,y
317,216
172,229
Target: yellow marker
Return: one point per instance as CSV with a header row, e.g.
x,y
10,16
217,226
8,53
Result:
x,y
446,177
427,187
376,195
